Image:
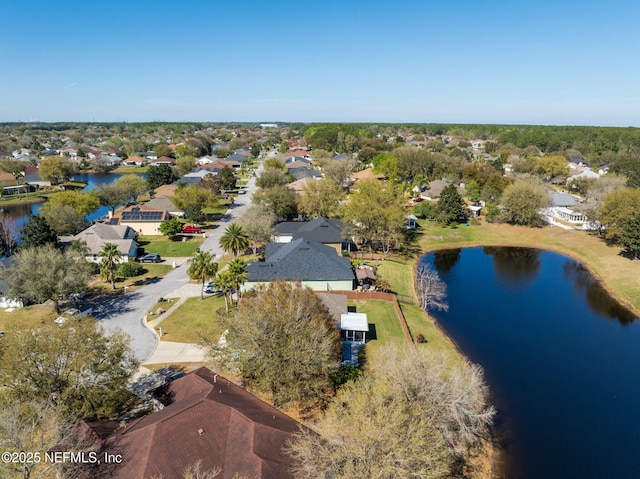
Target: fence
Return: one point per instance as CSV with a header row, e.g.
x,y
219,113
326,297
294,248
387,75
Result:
x,y
384,297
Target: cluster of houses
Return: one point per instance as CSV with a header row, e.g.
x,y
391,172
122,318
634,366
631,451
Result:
x,y
204,418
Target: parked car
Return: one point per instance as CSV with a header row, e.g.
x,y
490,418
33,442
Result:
x,y
150,258
242,192
209,288
191,229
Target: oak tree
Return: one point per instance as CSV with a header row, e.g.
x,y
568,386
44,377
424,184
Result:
x,y
283,341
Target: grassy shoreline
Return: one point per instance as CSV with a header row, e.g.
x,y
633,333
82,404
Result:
x,y
618,275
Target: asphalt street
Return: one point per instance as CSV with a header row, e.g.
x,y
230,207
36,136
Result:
x,y
127,311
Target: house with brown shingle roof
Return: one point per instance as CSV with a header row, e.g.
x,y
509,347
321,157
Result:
x,y
10,184
206,419
366,174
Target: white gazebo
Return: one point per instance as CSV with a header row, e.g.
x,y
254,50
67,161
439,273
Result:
x,y
354,327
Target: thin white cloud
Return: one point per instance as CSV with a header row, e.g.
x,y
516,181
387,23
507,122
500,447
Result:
x,y
71,85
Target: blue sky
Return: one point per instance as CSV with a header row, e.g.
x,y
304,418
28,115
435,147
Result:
x,y
544,62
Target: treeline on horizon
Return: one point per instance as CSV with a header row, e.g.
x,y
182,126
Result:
x,y
590,141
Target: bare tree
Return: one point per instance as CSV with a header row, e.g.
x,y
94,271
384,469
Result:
x,y
258,222
421,419
9,233
34,427
196,472
431,290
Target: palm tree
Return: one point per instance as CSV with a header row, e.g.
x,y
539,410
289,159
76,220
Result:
x,y
224,283
237,273
202,267
234,239
110,259
80,246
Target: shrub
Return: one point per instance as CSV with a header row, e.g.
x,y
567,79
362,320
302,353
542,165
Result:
x,y
344,375
420,338
129,270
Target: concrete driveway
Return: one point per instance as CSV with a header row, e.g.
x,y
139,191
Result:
x,y
127,311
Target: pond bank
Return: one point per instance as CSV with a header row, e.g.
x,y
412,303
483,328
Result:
x,y
614,273
618,275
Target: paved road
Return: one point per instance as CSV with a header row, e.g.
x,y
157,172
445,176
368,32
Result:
x,y
127,311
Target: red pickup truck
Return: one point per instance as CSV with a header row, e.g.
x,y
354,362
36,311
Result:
x,y
191,229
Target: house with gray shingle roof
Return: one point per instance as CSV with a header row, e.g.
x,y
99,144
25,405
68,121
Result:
x,y
322,230
309,262
98,234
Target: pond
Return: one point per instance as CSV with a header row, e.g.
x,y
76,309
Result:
x,y
20,213
561,357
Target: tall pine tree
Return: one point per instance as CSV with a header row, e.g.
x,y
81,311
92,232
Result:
x,y
451,206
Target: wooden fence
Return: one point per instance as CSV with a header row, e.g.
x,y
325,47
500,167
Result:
x,y
368,295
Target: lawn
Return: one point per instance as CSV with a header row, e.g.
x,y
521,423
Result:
x,y
193,317
153,272
130,169
168,248
619,275
26,318
383,316
420,323
220,209
399,274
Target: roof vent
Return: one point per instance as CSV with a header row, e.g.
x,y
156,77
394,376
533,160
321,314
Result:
x,y
201,431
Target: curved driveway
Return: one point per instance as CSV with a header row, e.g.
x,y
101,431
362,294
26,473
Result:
x,y
127,311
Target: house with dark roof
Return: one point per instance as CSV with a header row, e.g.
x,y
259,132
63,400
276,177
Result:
x,y
206,419
308,262
235,160
304,172
323,230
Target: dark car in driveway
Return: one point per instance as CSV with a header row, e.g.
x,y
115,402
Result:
x,y
150,258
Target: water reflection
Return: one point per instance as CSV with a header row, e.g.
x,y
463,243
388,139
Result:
x,y
446,259
516,266
597,297
562,370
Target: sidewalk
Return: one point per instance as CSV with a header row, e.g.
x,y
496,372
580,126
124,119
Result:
x,y
170,352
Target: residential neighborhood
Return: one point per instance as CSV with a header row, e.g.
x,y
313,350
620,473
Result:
x,y
198,250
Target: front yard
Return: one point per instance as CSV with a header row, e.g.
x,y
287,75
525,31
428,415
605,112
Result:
x,y
32,318
152,273
168,248
192,318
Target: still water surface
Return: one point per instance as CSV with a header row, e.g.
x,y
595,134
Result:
x,y
562,360
20,213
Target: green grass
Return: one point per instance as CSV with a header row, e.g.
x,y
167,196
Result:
x,y
420,323
383,315
130,169
193,317
220,209
167,248
153,272
400,275
619,275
